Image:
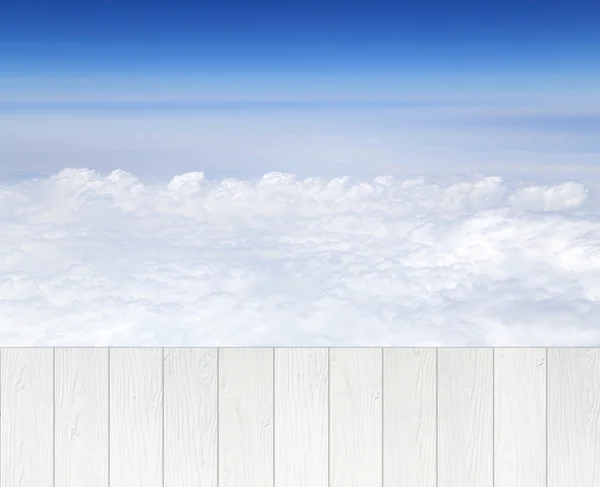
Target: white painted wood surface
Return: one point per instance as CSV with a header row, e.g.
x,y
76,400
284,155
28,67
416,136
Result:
x,y
573,417
27,417
301,417
409,412
263,417
191,417
356,417
81,412
246,417
136,414
520,417
465,417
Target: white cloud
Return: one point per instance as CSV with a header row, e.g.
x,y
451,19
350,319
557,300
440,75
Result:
x,y
87,259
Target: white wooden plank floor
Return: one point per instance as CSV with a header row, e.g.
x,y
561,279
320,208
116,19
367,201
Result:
x,y
409,413
573,417
520,417
191,415
27,417
356,415
246,417
465,417
299,417
81,412
136,417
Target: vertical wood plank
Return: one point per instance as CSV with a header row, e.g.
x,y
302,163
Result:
x,y
190,416
246,417
520,417
409,414
356,417
301,417
465,417
136,456
27,417
81,425
573,417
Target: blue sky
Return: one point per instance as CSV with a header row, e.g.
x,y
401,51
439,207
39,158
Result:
x,y
358,46
486,86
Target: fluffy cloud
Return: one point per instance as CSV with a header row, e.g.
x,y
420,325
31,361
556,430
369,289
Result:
x,y
87,259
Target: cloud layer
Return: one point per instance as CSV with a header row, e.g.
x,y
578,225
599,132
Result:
x,y
91,259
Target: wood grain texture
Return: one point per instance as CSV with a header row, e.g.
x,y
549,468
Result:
x,y
465,417
409,415
246,417
355,417
301,417
573,417
191,417
520,417
27,417
81,424
136,456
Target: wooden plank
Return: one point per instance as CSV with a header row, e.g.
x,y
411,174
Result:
x,y
520,417
465,417
356,417
136,456
573,417
191,417
409,415
27,417
81,426
246,417
301,417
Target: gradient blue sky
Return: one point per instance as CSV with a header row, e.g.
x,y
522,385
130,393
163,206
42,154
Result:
x,y
317,88
161,47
